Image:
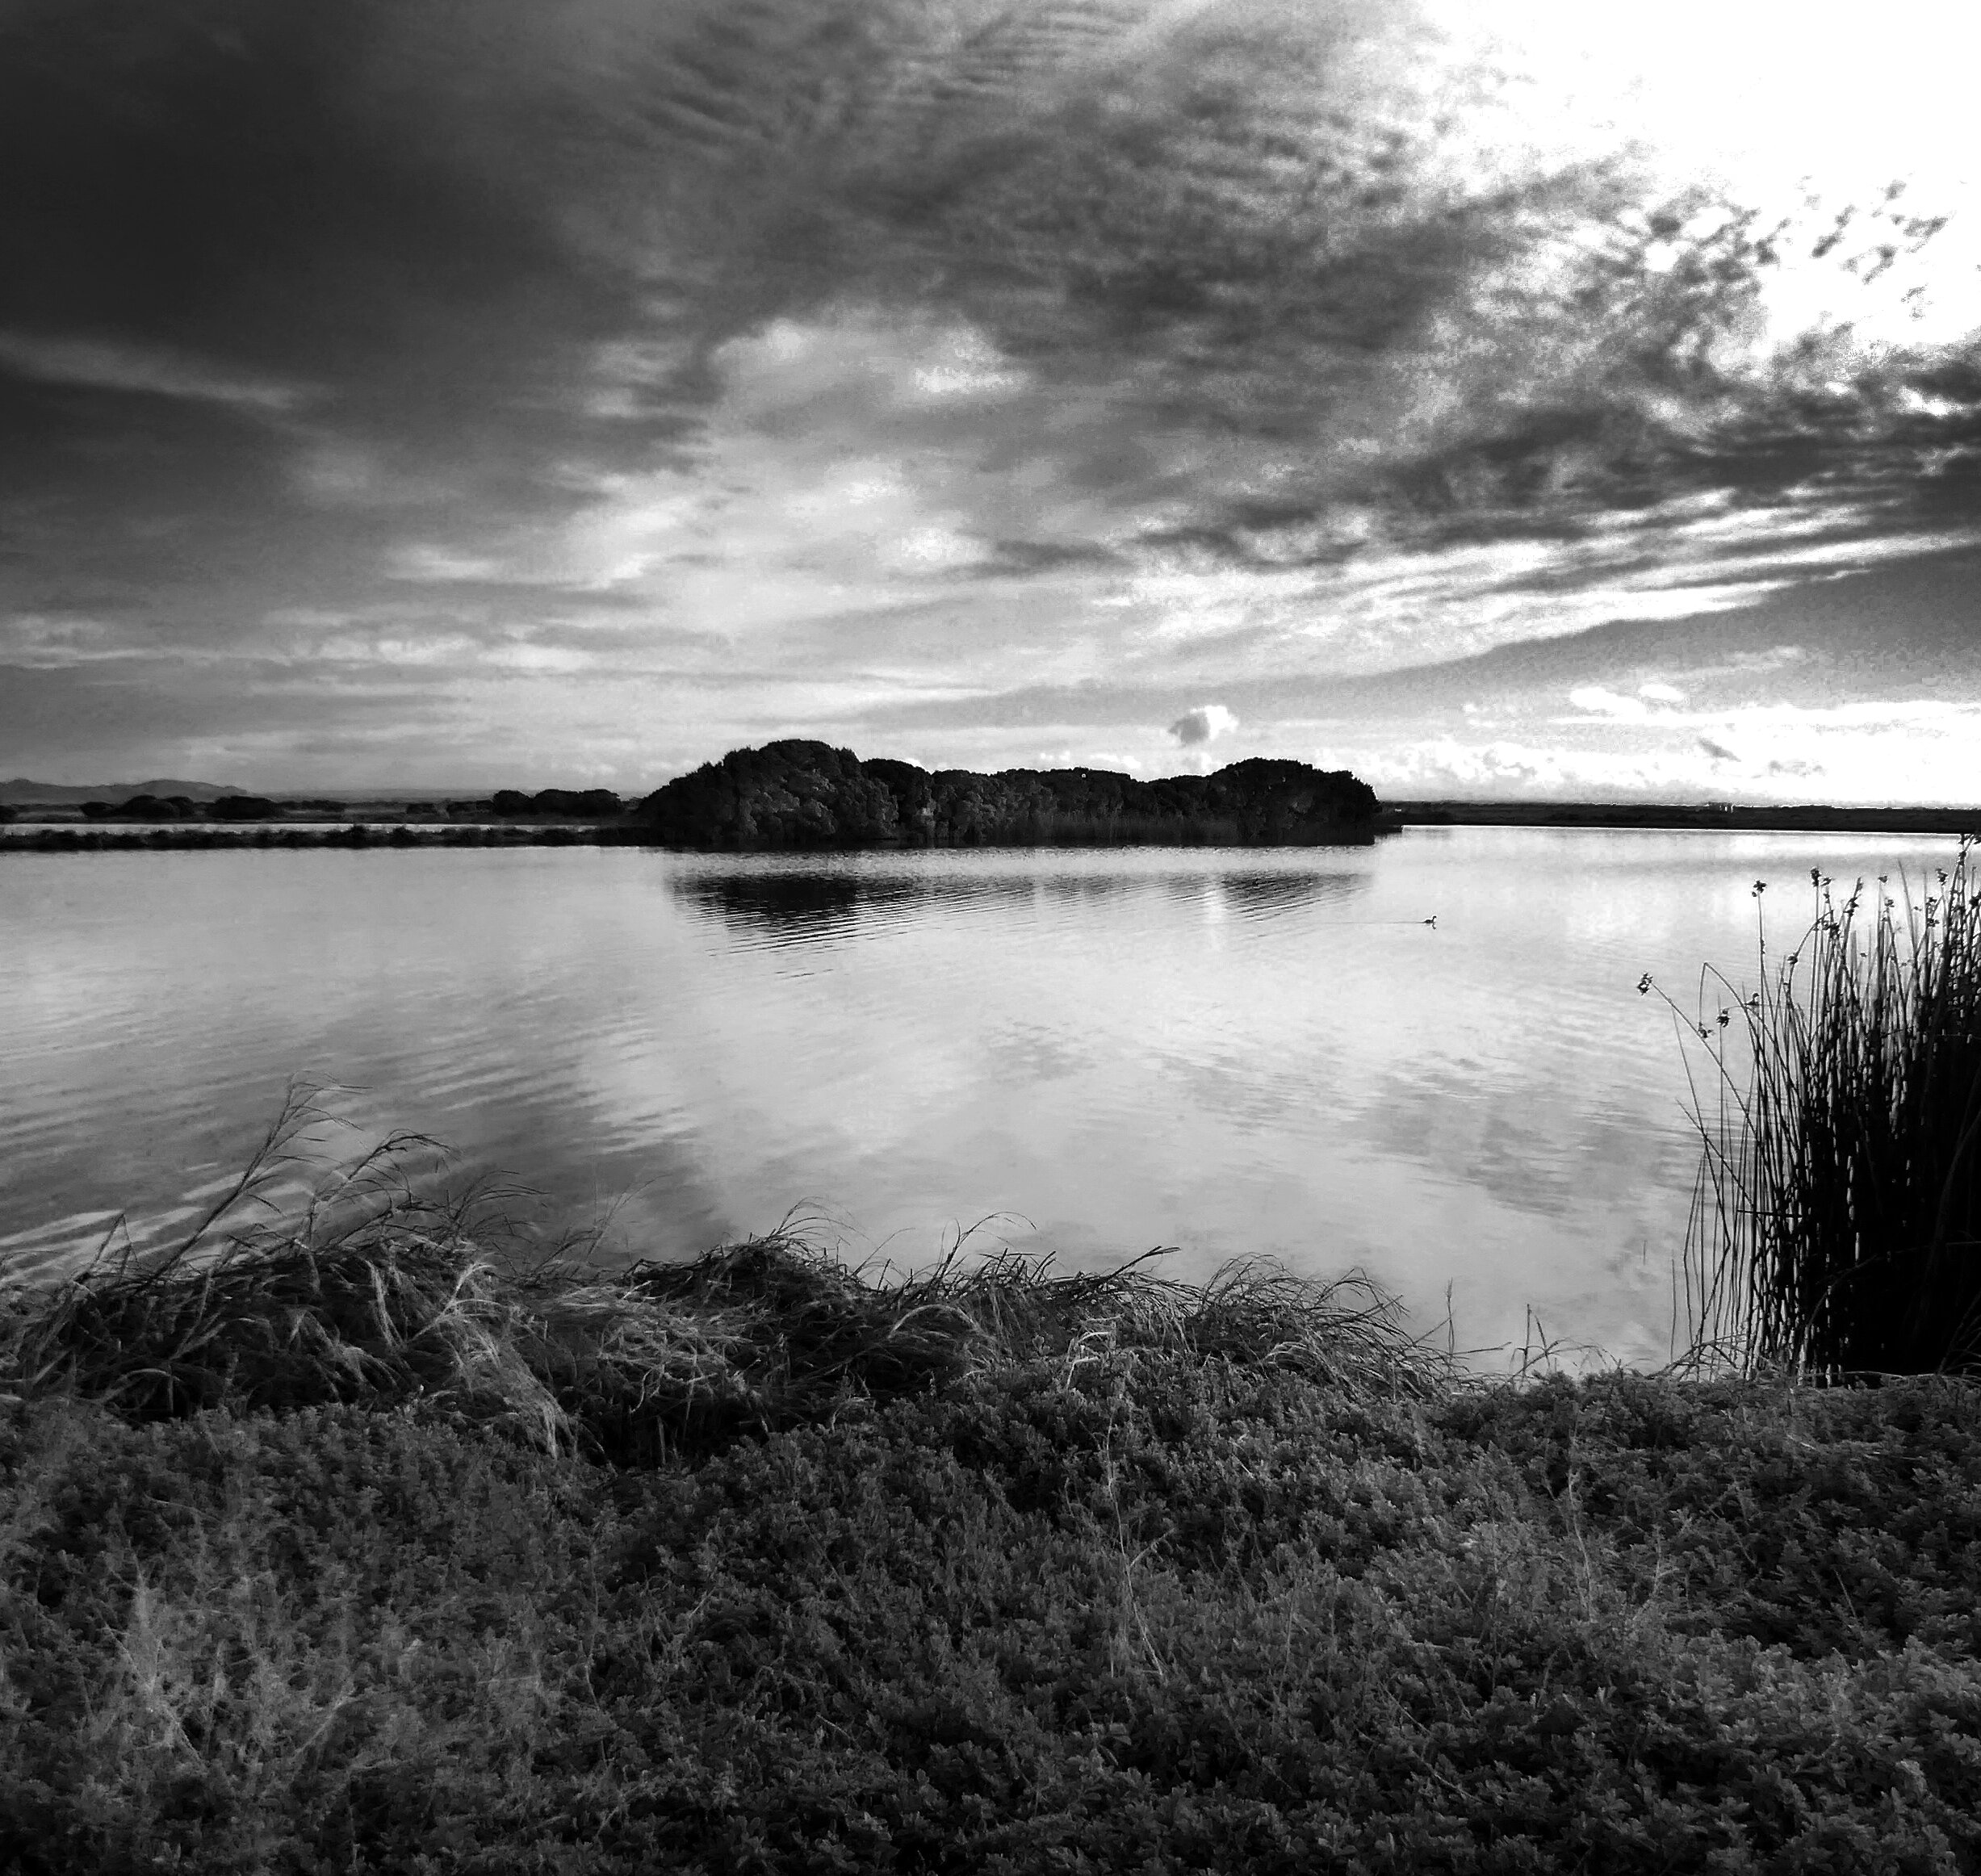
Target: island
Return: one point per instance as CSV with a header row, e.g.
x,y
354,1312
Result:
x,y
803,794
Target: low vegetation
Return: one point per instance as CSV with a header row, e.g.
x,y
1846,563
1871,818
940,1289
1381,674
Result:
x,y
293,838
333,1540
585,804
590,806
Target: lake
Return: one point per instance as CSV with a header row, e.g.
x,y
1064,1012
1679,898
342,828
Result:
x,y
1227,1051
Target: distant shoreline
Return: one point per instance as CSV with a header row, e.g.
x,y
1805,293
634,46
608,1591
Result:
x,y
404,836
1713,818
296,836
66,836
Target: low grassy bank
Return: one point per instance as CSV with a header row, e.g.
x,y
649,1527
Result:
x,y
293,838
1706,817
341,1546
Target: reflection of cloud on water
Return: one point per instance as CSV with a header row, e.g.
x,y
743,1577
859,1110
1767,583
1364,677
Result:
x,y
1032,1052
1537,1146
1248,1097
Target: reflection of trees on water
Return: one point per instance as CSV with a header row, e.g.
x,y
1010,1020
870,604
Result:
x,y
798,906
1271,895
794,902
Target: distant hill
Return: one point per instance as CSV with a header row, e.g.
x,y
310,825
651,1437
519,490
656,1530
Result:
x,y
20,793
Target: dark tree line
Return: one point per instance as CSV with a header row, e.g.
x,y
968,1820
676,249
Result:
x,y
805,794
589,804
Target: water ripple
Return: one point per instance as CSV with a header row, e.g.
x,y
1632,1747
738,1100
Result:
x,y
1232,1052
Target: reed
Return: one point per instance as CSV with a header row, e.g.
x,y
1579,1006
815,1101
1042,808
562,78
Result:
x,y
355,1289
1836,1224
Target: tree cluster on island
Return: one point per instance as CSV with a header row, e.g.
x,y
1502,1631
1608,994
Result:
x,y
800,793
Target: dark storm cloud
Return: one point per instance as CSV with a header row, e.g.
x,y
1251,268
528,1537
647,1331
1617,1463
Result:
x,y
1245,234
290,189
273,288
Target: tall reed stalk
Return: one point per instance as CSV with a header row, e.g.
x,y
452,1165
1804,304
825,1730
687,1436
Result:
x,y
1835,1224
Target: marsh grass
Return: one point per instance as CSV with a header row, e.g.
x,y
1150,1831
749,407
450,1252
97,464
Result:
x,y
1835,1224
357,1286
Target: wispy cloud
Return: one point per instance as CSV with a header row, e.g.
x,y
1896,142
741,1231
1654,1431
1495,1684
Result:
x,y
37,641
145,370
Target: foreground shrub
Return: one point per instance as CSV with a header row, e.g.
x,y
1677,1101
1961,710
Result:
x,y
1139,1611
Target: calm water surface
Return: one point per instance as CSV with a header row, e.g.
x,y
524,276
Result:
x,y
1228,1052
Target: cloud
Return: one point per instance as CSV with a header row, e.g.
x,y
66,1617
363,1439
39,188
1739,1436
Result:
x,y
142,369
1267,264
422,563
1204,724
1719,751
860,354
1595,700
32,641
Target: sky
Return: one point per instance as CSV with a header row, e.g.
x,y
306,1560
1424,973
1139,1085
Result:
x,y
1498,398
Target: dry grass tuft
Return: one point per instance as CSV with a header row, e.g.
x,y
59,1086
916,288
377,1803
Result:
x,y
360,1291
